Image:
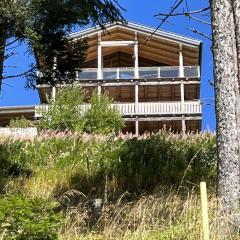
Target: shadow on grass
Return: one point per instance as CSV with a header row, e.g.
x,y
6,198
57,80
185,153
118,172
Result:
x,y
10,169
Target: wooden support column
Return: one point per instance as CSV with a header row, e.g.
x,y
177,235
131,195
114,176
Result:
x,y
181,67
183,125
137,127
118,73
182,95
183,106
99,89
53,93
100,58
77,75
136,62
181,74
136,109
136,90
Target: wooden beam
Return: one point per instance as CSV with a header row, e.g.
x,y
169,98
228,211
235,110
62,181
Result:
x,y
180,63
137,127
53,93
157,45
168,118
148,50
129,83
136,62
100,58
116,43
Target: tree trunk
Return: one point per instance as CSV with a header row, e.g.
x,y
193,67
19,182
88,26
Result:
x,y
236,14
227,94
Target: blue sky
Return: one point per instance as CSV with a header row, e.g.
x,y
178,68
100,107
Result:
x,y
140,11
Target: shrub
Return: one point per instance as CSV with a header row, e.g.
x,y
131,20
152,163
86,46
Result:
x,y
101,117
64,113
166,158
23,218
21,123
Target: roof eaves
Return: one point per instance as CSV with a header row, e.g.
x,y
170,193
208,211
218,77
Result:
x,y
141,28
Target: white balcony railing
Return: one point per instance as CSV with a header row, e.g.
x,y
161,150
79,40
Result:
x,y
145,108
144,72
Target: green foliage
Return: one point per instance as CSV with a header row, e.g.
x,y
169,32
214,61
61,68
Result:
x,y
49,30
93,163
23,218
21,123
64,112
134,165
101,117
13,15
167,158
45,27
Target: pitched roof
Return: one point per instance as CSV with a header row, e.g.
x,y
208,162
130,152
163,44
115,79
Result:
x,y
170,36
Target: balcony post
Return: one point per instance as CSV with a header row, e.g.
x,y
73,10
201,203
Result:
x,y
136,109
118,73
136,97
53,93
183,107
100,58
181,67
99,89
136,127
159,72
182,90
183,125
136,62
182,96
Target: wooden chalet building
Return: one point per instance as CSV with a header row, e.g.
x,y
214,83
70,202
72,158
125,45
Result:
x,y
153,79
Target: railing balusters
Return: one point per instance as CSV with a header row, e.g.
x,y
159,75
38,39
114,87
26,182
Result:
x,y
144,108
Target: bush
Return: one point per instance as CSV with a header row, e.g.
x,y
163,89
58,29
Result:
x,y
23,218
63,113
101,117
166,158
21,123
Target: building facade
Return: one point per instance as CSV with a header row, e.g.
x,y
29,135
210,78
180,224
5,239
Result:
x,y
153,79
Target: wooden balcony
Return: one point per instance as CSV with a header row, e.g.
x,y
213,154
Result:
x,y
146,108
143,73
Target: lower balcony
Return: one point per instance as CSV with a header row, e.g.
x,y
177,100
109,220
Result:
x,y
146,108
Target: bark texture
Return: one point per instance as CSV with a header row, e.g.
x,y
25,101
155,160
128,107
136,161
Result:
x,y
227,95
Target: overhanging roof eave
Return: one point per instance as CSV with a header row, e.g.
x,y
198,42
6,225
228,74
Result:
x,y
140,28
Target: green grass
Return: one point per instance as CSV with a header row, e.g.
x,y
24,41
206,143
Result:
x,y
150,184
64,162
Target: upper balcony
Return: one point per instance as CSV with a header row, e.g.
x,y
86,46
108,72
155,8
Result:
x,y
128,53
127,73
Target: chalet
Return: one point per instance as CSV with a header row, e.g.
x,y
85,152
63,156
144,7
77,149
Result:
x,y
152,76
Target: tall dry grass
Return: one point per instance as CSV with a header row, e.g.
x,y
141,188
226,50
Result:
x,y
63,162
164,215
